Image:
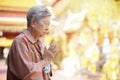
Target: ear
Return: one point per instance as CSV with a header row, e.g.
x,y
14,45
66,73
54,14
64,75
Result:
x,y
33,22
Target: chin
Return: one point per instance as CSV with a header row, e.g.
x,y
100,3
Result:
x,y
42,35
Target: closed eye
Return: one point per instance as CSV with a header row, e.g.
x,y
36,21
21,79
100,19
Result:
x,y
47,23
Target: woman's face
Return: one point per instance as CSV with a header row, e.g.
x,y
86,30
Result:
x,y
42,26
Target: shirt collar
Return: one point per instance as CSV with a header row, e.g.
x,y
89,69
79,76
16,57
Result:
x,y
29,36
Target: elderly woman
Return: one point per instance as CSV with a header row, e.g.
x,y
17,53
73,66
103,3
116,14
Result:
x,y
28,59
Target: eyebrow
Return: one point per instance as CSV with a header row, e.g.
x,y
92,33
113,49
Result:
x,y
46,21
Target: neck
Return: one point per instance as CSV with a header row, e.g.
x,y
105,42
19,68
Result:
x,y
33,33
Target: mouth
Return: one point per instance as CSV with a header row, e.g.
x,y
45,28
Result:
x,y
47,32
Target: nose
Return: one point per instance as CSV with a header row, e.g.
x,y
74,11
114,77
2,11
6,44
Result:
x,y
47,28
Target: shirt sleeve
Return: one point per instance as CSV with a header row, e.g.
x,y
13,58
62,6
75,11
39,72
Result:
x,y
21,64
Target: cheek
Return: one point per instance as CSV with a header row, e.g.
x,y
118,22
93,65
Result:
x,y
42,31
39,30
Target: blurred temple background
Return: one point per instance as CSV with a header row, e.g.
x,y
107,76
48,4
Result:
x,y
87,32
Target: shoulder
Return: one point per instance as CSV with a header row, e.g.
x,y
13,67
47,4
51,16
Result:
x,y
20,38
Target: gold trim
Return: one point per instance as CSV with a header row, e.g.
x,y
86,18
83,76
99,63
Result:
x,y
13,9
12,28
12,21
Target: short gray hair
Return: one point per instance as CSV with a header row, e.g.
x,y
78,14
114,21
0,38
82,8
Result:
x,y
37,12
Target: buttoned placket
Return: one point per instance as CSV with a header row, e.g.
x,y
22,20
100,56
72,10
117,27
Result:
x,y
39,48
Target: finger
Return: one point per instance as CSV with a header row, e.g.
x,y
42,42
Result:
x,y
55,52
51,42
53,45
55,49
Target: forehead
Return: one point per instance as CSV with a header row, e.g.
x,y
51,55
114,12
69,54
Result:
x,y
46,18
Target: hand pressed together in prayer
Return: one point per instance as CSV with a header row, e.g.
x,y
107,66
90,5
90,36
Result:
x,y
50,52
49,55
